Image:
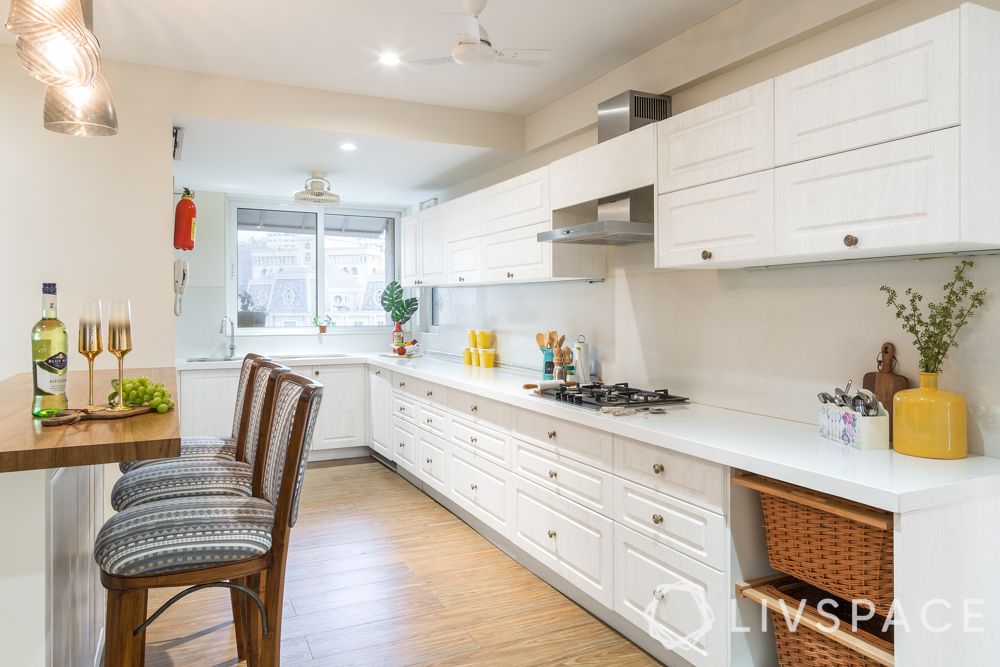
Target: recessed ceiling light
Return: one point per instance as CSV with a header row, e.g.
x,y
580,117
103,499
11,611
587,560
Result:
x,y
348,146
389,58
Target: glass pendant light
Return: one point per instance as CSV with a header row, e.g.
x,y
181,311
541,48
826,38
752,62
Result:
x,y
83,111
53,42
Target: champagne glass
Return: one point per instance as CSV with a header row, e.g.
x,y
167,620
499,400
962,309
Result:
x,y
89,342
120,341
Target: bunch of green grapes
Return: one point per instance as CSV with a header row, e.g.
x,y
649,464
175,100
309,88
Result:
x,y
141,391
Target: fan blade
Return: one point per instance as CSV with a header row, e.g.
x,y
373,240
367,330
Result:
x,y
525,57
444,60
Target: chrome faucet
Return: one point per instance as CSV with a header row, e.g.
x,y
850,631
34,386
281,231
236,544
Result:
x,y
231,333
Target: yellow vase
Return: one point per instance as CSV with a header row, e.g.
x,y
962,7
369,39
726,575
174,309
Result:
x,y
929,422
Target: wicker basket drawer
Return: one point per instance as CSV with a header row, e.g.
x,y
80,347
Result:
x,y
814,641
838,545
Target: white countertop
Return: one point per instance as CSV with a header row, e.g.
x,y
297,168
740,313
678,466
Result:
x,y
786,450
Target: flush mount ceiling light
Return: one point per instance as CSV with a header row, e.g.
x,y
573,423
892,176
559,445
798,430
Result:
x,y
53,42
348,146
83,111
389,58
317,191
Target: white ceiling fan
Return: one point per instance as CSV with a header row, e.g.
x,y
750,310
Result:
x,y
475,49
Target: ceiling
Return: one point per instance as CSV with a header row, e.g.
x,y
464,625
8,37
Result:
x,y
334,44
270,160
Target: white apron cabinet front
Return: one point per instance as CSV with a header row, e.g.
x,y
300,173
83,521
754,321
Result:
x,y
208,401
380,396
342,416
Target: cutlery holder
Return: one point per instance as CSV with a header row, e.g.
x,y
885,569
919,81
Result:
x,y
850,428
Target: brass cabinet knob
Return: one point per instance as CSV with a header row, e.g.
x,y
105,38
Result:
x,y
552,435
402,444
429,461
706,254
402,409
657,518
657,468
475,408
429,420
461,279
401,384
378,372
553,474
315,372
552,534
850,240
510,275
429,394
472,439
473,487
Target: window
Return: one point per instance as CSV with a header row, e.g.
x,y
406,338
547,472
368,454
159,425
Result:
x,y
293,264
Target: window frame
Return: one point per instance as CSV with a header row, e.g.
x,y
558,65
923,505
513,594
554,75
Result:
x,y
275,203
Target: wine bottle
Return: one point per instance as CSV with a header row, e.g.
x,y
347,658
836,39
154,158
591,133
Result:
x,y
49,345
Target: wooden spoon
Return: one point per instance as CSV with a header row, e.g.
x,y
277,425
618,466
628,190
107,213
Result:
x,y
552,339
562,339
540,339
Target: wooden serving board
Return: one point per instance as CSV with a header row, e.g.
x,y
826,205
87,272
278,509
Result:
x,y
884,383
73,416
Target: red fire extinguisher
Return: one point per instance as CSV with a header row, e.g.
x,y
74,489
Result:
x,y
184,222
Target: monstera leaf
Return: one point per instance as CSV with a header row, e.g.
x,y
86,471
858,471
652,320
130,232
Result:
x,y
399,308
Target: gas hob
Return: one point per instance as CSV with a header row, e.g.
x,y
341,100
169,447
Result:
x,y
621,395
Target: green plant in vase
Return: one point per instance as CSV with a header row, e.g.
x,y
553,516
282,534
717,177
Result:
x,y
400,309
929,422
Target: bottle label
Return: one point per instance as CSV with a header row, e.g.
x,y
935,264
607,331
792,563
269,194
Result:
x,y
50,374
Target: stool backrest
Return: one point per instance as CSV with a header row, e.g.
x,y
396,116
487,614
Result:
x,y
258,417
250,363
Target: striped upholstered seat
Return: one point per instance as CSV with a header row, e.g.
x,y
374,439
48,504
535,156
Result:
x,y
184,534
216,446
197,475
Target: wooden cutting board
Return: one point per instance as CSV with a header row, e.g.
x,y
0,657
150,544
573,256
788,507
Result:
x,y
884,383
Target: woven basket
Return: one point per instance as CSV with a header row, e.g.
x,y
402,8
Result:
x,y
843,556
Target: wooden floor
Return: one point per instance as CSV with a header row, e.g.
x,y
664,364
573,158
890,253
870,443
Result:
x,y
380,574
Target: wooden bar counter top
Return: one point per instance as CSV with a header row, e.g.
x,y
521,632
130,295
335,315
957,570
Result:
x,y
26,445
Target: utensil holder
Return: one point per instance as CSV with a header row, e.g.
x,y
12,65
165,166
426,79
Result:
x,y
853,429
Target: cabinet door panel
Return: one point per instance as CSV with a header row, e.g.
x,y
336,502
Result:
x,y
208,401
618,165
727,137
719,224
516,254
558,435
485,443
883,200
434,421
343,414
482,488
432,461
687,477
404,445
482,411
464,258
899,85
410,253
380,393
433,225
581,483
641,565
518,202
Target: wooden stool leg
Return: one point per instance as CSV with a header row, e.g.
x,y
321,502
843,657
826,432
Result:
x,y
126,610
251,622
236,598
274,593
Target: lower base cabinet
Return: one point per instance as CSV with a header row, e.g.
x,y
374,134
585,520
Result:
x,y
573,541
433,461
404,445
482,489
694,604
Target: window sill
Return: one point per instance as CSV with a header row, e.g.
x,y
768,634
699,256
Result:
x,y
312,331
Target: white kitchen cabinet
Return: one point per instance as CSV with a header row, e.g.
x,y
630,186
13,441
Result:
x,y
642,565
409,239
899,85
464,259
622,164
562,475
587,445
722,224
433,461
208,401
690,478
575,542
466,219
342,416
434,223
730,136
404,445
896,198
516,254
517,202
484,442
380,409
481,488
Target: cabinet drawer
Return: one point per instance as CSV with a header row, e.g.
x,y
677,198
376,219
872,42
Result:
x,y
483,411
432,461
580,483
888,199
481,488
486,444
572,540
404,445
433,420
558,435
421,390
686,477
404,408
691,530
898,85
727,137
642,565
720,224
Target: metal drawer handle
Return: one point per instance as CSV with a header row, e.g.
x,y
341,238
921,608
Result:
x,y
429,394
657,518
402,408
552,534
510,275
429,461
706,254
472,439
461,279
553,474
473,487
429,420
402,444
402,384
850,240
657,468
316,373
475,408
552,435
378,372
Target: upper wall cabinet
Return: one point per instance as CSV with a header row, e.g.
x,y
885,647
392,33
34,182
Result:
x,y
612,167
731,136
410,252
896,86
517,202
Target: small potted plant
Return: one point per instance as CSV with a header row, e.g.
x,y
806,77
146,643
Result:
x,y
322,323
400,309
250,313
926,421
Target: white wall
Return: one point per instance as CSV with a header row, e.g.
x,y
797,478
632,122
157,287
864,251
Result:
x,y
763,341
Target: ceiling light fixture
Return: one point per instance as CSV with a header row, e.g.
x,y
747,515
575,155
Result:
x,y
348,146
389,58
317,191
83,111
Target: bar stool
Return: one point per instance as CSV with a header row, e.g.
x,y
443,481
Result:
x,y
184,477
240,543
214,447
